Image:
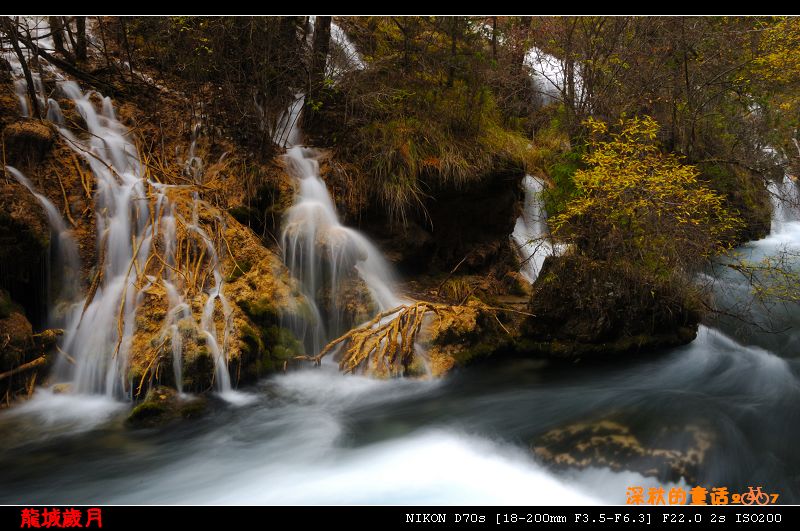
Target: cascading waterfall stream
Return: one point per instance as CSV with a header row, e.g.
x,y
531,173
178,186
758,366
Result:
x,y
785,198
99,329
319,251
530,234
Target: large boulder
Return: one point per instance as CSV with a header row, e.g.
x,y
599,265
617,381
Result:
x,y
586,308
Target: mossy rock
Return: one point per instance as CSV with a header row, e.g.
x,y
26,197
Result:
x,y
163,405
668,453
583,308
7,306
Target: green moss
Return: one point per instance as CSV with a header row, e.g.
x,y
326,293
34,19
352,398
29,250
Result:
x,y
187,328
197,368
239,269
426,139
261,311
561,175
147,410
477,352
193,409
745,193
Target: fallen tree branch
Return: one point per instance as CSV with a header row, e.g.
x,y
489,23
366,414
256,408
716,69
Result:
x,y
38,362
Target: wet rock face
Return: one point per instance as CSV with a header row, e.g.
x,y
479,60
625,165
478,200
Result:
x,y
163,405
584,308
24,249
470,223
254,336
464,335
15,333
672,454
20,346
346,305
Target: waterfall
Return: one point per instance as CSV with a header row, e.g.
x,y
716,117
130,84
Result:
x,y
344,56
133,214
287,130
125,204
549,77
318,250
785,198
530,232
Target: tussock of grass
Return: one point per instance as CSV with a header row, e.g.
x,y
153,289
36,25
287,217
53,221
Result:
x,y
406,147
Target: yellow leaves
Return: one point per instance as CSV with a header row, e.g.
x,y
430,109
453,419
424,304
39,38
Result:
x,y
655,200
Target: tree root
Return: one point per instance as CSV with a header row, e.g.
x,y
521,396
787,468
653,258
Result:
x,y
387,342
38,362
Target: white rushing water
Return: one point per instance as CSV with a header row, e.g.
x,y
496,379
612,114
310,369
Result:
x,y
133,215
319,251
549,76
531,235
344,57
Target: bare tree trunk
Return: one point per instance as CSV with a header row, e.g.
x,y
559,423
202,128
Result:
x,y
57,31
494,38
70,36
124,30
11,29
451,71
80,46
319,58
319,53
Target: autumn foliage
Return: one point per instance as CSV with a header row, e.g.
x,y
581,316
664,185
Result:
x,y
637,203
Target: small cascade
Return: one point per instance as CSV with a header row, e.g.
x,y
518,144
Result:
x,y
344,56
549,78
287,130
785,198
63,250
530,232
320,251
134,215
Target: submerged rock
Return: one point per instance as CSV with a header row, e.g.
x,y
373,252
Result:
x,y
163,405
672,454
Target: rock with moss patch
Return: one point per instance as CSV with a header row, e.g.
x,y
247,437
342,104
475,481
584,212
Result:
x,y
468,334
27,142
163,405
587,308
670,454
